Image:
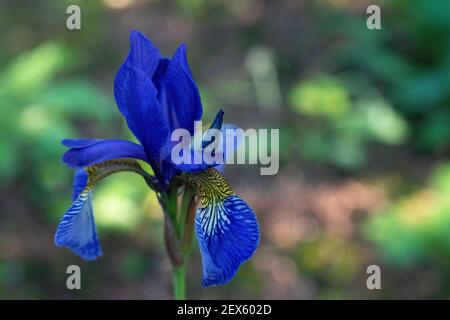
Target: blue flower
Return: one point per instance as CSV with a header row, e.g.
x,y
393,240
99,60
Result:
x,y
157,95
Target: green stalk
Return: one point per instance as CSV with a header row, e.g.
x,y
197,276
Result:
x,y
186,199
179,282
178,228
173,244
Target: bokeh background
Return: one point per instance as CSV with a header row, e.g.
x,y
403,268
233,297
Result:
x,y
364,119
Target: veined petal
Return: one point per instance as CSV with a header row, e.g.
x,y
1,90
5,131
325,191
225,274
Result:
x,y
158,80
77,230
143,55
183,96
180,58
226,227
80,180
86,152
137,98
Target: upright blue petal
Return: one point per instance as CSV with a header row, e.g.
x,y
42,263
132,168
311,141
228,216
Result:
x,y
137,95
216,124
159,81
86,152
183,96
143,55
180,59
177,92
226,227
77,230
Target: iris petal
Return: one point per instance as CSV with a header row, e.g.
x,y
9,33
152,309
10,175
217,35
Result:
x,y
226,227
137,98
216,124
143,55
180,58
183,96
221,153
198,167
77,229
85,154
158,80
79,142
194,154
80,180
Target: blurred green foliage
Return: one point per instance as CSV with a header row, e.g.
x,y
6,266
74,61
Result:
x,y
348,121
37,111
415,228
389,86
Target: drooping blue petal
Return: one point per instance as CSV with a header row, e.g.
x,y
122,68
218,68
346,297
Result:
x,y
77,230
228,236
85,154
137,96
182,94
80,180
226,227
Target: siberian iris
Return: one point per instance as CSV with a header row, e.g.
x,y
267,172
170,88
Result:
x,y
157,95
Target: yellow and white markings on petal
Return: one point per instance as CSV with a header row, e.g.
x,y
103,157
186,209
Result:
x,y
213,189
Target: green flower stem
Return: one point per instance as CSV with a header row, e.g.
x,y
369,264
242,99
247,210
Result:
x,y
178,222
186,199
186,240
172,205
179,282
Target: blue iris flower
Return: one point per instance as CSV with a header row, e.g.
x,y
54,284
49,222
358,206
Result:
x,y
157,95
